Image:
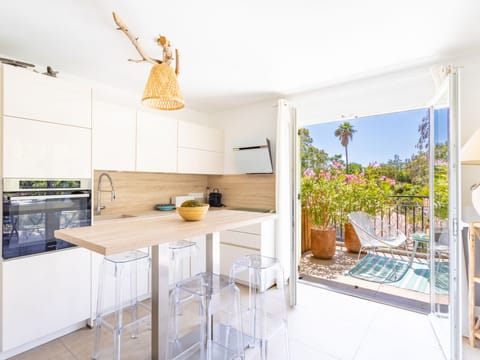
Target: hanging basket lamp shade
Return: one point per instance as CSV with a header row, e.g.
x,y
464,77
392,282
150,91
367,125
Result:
x,y
162,90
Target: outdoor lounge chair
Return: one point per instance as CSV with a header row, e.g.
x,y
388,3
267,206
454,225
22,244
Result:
x,y
372,238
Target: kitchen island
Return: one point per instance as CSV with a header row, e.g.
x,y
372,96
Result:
x,y
135,233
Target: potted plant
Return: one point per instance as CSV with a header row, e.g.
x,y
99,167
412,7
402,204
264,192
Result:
x,y
321,195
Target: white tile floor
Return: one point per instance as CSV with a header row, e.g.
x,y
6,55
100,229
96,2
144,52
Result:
x,y
324,326
335,326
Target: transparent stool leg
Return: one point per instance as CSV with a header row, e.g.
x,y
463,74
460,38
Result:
x,y
262,316
252,306
118,314
98,317
134,299
204,332
232,337
178,276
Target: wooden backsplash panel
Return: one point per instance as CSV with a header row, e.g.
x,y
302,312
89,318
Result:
x,y
253,191
138,191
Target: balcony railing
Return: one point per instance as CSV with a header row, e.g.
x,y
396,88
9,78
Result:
x,y
408,213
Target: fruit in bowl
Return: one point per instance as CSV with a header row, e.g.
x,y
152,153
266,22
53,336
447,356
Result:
x,y
192,210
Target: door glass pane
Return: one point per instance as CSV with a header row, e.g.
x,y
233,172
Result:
x,y
439,248
444,198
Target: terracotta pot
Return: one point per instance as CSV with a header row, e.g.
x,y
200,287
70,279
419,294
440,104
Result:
x,y
352,242
323,242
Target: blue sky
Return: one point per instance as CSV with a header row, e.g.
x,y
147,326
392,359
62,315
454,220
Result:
x,y
379,137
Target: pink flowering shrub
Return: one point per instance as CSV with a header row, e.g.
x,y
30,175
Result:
x,y
331,195
321,196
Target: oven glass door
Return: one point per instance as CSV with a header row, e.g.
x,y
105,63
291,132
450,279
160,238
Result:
x,y
30,219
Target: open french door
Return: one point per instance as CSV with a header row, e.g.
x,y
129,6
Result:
x,y
287,190
445,216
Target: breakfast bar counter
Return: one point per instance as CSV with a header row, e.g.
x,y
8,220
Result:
x,y
127,234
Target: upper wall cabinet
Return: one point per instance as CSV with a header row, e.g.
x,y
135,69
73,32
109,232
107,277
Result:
x,y
114,129
35,96
199,137
200,149
156,143
37,149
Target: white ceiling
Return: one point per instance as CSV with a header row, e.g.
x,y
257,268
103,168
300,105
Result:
x,y
238,52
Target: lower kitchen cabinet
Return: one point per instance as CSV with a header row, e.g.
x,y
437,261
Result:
x,y
43,294
247,240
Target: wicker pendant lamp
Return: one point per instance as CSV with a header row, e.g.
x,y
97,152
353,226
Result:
x,y
162,91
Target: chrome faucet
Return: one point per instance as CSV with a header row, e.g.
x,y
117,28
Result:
x,y
99,209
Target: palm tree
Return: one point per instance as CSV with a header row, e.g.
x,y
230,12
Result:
x,y
344,133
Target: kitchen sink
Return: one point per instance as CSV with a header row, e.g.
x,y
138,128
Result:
x,y
253,210
112,217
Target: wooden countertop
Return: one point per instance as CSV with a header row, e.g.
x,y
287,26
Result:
x,y
112,237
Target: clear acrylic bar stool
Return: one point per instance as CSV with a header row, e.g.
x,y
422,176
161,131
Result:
x,y
210,327
181,254
123,268
264,314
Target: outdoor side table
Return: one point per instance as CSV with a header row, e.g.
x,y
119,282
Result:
x,y
419,238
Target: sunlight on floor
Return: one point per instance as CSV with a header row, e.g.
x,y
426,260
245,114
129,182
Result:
x,y
324,326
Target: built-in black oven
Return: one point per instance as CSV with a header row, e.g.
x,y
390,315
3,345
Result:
x,y
34,209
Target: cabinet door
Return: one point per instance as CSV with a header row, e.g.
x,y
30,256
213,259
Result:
x,y
36,149
156,143
252,241
200,137
193,161
228,255
113,137
44,294
36,96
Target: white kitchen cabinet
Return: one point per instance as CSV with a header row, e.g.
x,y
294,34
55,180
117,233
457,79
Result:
x,y
113,137
200,137
200,149
37,149
228,255
43,294
36,96
156,143
193,161
253,239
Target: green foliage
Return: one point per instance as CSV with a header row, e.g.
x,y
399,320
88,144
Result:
x,y
367,191
369,188
310,156
354,168
322,196
331,195
440,205
345,132
424,133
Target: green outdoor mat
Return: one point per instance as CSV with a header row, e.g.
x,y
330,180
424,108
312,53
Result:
x,y
397,272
